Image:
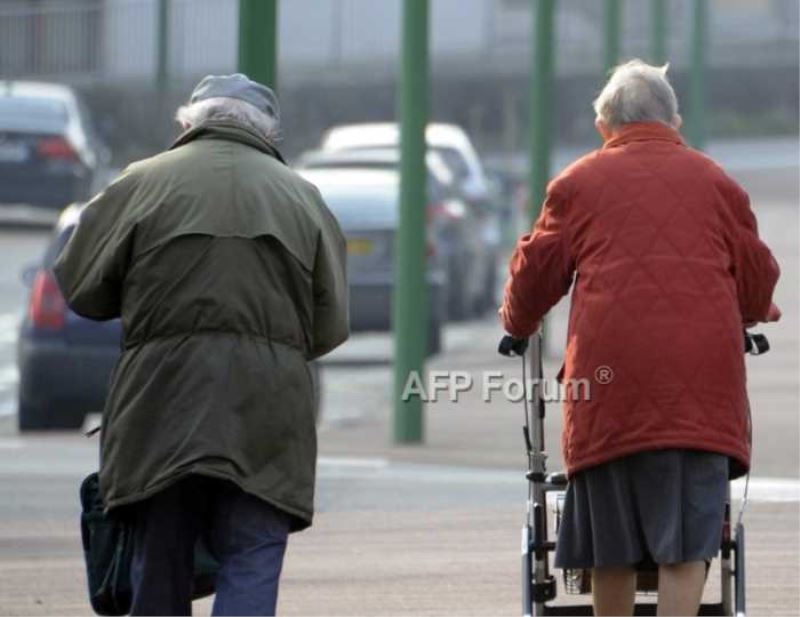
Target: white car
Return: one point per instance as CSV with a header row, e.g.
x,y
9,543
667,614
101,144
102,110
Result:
x,y
448,140
454,147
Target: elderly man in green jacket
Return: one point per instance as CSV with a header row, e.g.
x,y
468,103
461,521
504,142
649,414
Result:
x,y
228,271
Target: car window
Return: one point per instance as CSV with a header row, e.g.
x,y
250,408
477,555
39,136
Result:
x,y
356,208
32,114
455,161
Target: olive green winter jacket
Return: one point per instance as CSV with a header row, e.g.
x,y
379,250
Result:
x,y
228,271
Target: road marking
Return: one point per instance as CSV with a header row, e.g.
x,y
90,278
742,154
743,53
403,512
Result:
x,y
9,325
352,462
763,490
22,214
8,409
768,489
8,376
774,490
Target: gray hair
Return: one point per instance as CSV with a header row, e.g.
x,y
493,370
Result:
x,y
637,92
233,110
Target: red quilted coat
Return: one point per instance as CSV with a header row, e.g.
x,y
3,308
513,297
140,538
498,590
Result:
x,y
667,265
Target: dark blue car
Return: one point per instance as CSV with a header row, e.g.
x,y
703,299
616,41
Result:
x,y
65,361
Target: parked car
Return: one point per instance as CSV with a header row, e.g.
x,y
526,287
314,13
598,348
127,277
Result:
x,y
64,360
50,155
440,176
366,204
454,147
509,189
449,140
456,230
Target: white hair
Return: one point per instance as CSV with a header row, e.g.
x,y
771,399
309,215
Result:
x,y
234,110
637,92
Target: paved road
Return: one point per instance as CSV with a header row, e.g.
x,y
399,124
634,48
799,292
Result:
x,y
391,537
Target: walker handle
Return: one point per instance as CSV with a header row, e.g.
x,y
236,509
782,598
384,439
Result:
x,y
755,344
510,346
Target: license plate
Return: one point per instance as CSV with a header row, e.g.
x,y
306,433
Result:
x,y
13,153
359,246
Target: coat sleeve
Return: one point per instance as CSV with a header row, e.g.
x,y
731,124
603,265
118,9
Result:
x,y
91,268
753,266
541,269
331,315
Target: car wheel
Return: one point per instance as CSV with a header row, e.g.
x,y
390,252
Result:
x,y
31,417
488,299
457,298
40,417
434,336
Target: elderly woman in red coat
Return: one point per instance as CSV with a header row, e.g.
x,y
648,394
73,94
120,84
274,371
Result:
x,y
668,267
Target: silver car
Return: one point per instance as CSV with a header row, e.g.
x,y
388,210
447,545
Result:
x,y
457,229
366,204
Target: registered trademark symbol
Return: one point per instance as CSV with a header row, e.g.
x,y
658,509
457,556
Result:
x,y
603,374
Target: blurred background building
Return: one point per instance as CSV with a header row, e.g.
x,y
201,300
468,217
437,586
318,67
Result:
x,y
337,62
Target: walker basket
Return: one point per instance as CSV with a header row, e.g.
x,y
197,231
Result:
x,y
579,581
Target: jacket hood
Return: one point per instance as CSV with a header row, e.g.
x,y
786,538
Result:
x,y
227,131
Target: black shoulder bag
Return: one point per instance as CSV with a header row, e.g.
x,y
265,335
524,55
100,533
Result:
x,y
108,551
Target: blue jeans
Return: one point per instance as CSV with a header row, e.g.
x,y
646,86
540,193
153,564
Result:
x,y
245,534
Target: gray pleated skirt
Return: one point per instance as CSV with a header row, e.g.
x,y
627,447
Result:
x,y
662,506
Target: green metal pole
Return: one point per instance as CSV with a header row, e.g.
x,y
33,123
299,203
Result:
x,y
542,101
612,19
542,88
696,125
410,289
658,23
162,45
258,40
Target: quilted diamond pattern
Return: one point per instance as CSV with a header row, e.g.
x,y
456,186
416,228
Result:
x,y
664,250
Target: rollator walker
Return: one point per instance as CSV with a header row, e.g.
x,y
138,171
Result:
x,y
538,583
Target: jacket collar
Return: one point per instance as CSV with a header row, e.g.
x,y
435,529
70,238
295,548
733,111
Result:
x,y
228,131
643,131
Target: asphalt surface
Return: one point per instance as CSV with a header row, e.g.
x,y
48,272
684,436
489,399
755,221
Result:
x,y
389,538
431,529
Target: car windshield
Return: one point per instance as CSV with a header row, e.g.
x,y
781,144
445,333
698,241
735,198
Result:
x,y
363,208
454,160
32,114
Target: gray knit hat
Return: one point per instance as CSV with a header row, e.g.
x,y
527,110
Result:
x,y
238,86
